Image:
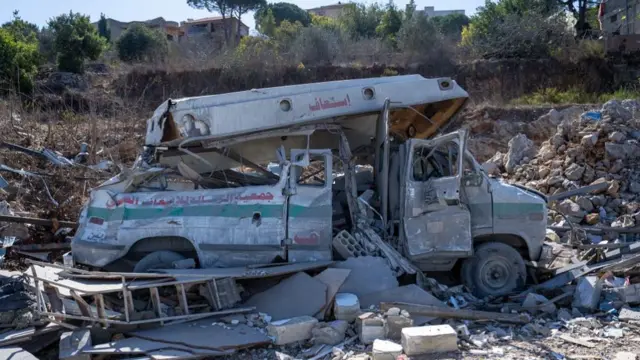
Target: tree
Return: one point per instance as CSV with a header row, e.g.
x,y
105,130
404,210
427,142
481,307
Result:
x,y
515,29
267,26
580,9
19,60
324,22
139,43
283,11
451,25
241,7
75,41
103,28
20,29
286,34
390,23
360,21
409,10
416,35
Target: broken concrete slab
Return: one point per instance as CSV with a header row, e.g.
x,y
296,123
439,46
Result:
x,y
333,278
627,314
368,275
72,344
291,330
16,353
429,339
631,294
331,333
206,334
587,294
536,302
412,294
298,295
386,350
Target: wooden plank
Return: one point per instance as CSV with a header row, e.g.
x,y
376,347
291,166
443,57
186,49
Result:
x,y
102,314
85,308
155,301
571,339
451,313
182,299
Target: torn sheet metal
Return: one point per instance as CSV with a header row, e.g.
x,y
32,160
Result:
x,y
436,232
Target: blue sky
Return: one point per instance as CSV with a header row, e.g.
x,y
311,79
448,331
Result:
x,y
39,11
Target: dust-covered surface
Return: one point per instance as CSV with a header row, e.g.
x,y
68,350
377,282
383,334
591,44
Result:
x,y
558,150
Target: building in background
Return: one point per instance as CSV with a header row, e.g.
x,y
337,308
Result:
x,y
214,27
170,28
620,16
430,11
331,11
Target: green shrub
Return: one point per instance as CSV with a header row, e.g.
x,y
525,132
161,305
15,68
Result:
x,y
573,96
19,62
140,43
75,40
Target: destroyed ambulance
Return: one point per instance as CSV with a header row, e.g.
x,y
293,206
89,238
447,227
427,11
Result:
x,y
274,175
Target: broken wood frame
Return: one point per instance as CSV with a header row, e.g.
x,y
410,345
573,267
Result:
x,y
216,298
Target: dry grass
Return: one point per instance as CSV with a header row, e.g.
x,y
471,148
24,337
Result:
x,y
61,191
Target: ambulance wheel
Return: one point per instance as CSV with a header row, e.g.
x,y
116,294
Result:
x,y
495,269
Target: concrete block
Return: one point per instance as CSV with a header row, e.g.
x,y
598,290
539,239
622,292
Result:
x,y
587,294
72,343
347,307
429,339
347,246
395,324
631,294
370,327
291,330
386,350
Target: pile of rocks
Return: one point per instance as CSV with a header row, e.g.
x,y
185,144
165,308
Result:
x,y
597,146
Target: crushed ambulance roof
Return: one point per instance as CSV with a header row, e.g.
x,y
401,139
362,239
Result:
x,y
239,113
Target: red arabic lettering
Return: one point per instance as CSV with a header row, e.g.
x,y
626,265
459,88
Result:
x,y
329,104
189,200
312,239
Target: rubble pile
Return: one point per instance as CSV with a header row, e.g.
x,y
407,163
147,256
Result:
x,y
595,147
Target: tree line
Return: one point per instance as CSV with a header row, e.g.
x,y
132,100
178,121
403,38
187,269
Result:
x,y
500,28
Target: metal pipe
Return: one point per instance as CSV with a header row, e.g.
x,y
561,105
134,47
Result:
x,y
384,192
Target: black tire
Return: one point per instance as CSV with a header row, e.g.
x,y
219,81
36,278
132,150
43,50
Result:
x,y
495,269
162,259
